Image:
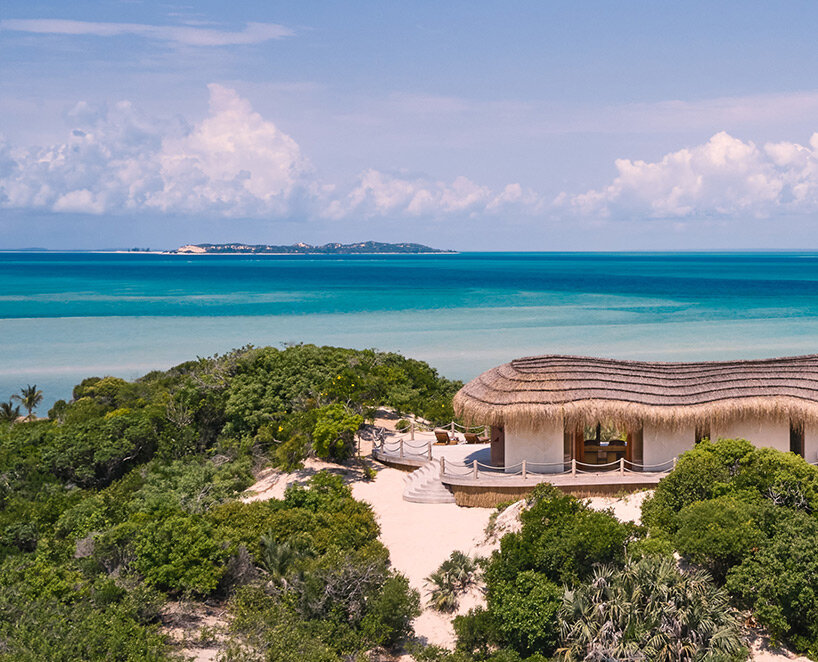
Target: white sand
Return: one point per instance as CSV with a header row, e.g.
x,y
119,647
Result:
x,y
625,509
420,537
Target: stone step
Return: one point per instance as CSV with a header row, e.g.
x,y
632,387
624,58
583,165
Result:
x,y
423,485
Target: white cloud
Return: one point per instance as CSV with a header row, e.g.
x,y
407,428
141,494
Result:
x,y
382,194
233,163
723,177
253,33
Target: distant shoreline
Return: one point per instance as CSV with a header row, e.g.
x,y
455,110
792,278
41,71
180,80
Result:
x,y
301,248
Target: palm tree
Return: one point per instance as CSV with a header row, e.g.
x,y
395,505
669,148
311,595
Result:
x,y
455,575
443,593
650,610
8,412
278,558
30,398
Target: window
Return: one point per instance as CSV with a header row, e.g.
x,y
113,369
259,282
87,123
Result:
x,y
702,432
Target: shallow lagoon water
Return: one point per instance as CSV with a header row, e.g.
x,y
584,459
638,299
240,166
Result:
x,y
68,316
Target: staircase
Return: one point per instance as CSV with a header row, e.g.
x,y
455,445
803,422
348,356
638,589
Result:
x,y
423,485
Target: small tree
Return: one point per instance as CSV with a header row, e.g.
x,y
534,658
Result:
x,y
8,412
454,576
334,432
29,397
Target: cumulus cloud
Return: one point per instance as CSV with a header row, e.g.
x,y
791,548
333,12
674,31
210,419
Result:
x,y
187,35
723,177
233,163
383,194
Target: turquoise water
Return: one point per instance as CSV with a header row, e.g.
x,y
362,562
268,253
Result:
x,y
67,316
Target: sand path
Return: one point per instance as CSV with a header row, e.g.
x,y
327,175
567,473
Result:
x,y
420,537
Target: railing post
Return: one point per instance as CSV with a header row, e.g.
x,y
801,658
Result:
x,y
412,431
430,450
474,466
401,447
573,466
621,466
452,429
524,471
674,463
442,466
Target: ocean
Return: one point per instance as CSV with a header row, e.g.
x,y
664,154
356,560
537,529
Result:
x,y
66,316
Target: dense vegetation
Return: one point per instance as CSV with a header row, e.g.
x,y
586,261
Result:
x,y
126,497
750,516
575,584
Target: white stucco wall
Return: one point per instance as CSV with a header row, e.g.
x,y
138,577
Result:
x,y
661,444
543,445
775,434
811,442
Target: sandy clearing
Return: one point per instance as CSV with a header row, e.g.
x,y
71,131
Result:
x,y
420,537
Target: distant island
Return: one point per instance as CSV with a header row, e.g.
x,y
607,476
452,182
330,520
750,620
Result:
x,y
364,247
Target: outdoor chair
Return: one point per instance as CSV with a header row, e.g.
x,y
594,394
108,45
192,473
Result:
x,y
442,437
472,438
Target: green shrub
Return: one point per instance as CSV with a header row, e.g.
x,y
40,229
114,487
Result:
x,y
476,632
333,436
731,467
176,552
777,580
562,538
524,613
718,533
264,628
700,473
650,546
290,454
390,613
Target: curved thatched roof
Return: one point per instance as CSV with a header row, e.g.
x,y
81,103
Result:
x,y
579,389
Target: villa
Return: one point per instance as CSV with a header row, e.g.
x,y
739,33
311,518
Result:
x,y
557,411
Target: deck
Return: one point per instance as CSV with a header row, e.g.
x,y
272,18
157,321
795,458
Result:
x,y
465,469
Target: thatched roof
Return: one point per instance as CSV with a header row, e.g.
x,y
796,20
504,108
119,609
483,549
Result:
x,y
578,390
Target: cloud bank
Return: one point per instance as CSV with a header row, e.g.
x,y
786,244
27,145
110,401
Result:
x,y
723,177
233,164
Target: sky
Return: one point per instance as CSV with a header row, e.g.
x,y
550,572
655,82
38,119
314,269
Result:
x,y
467,125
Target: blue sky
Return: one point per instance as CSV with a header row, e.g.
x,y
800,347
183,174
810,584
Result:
x,y
478,126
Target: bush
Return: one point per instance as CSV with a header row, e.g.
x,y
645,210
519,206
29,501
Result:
x,y
562,538
391,612
524,613
731,467
778,582
290,455
700,473
333,436
177,552
718,533
476,632
402,425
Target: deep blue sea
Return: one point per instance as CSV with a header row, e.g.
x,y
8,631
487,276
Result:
x,y
65,316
